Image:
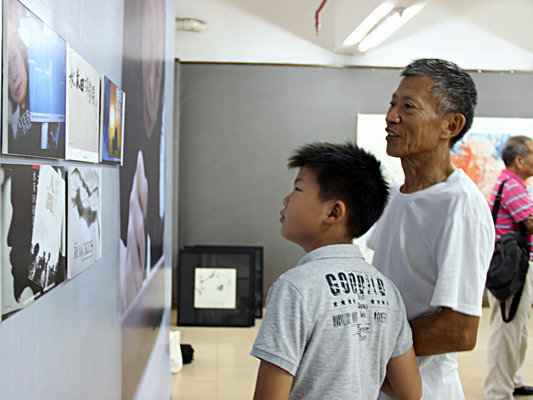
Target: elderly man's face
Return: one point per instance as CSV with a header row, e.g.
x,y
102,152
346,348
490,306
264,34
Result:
x,y
528,160
413,124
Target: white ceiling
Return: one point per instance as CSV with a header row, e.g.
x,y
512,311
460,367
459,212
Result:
x,y
478,34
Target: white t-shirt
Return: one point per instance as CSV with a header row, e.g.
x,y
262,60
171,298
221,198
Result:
x,y
436,245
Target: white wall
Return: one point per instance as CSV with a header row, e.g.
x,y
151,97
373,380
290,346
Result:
x,y
488,34
67,345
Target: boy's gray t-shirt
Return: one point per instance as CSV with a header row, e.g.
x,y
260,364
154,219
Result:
x,y
333,322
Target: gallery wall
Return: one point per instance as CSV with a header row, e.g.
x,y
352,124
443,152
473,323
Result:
x,y
239,123
69,340
70,343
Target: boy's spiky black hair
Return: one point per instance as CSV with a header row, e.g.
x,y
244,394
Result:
x,y
352,175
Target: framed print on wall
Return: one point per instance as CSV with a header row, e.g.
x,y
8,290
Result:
x,y
82,109
84,218
33,233
34,85
112,122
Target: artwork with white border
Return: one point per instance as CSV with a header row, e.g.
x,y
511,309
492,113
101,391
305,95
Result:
x,y
215,288
84,218
32,234
48,223
82,108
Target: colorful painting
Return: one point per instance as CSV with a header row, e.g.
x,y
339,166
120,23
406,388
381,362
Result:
x,y
112,123
478,153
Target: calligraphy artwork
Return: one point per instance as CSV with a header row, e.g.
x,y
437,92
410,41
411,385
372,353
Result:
x,y
82,109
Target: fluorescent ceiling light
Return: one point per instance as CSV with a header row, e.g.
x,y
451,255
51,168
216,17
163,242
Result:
x,y
368,23
382,23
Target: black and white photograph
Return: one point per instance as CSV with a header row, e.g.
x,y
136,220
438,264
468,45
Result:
x,y
33,217
84,218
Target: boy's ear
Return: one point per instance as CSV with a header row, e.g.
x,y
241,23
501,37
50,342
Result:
x,y
337,212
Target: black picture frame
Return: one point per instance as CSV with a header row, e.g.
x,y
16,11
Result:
x,y
257,253
192,258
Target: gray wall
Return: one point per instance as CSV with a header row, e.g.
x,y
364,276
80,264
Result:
x,y
239,123
67,345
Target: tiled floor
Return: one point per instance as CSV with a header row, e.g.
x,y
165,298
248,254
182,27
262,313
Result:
x,y
222,368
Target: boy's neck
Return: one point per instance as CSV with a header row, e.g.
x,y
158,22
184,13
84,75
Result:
x,y
324,243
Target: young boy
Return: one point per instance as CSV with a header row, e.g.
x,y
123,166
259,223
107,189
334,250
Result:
x,y
334,327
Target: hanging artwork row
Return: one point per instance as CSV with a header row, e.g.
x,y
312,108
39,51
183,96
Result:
x,y
55,104
50,229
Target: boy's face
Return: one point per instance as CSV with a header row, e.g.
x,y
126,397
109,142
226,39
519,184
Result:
x,y
304,213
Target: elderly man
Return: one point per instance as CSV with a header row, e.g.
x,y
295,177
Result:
x,y
436,236
508,341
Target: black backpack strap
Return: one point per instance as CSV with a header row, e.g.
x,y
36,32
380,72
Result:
x,y
517,295
514,306
497,201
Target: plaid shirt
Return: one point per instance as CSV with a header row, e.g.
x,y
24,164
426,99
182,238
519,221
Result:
x,y
515,205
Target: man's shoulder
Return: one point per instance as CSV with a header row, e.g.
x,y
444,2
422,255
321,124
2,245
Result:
x,y
463,190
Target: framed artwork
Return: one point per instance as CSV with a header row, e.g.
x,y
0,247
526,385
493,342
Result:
x,y
257,255
34,86
112,122
82,109
215,288
33,233
84,218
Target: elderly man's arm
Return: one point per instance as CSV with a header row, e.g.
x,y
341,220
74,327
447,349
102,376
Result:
x,y
444,332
